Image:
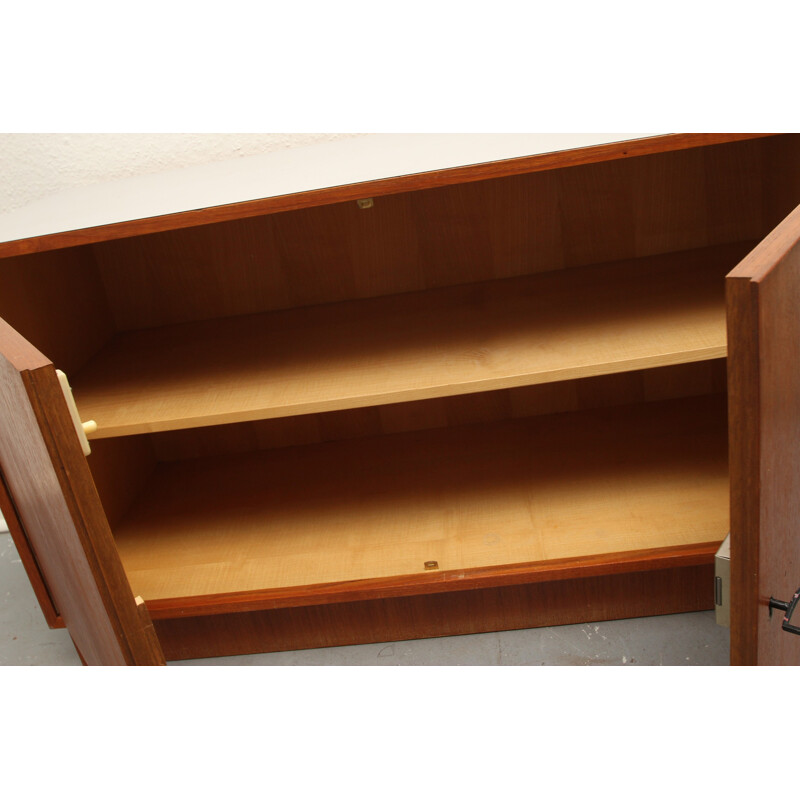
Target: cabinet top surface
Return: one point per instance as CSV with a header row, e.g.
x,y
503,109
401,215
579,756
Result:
x,y
279,174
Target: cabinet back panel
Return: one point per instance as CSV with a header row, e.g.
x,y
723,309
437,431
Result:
x,y
664,383
56,301
457,234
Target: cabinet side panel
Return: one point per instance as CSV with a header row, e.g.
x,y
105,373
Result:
x,y
57,302
120,469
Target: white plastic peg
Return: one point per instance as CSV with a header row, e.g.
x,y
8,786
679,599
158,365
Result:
x,y
81,428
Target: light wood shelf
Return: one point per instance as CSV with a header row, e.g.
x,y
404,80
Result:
x,y
539,328
570,485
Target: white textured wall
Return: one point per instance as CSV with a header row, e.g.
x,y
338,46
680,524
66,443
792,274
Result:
x,y
34,165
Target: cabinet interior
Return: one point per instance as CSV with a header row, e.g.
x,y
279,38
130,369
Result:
x,y
513,371
485,481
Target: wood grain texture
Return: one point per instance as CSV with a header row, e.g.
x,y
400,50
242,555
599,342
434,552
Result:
x,y
547,488
661,383
156,656
782,172
745,455
437,581
764,390
57,302
445,236
565,602
377,188
47,476
28,559
586,512
521,331
120,469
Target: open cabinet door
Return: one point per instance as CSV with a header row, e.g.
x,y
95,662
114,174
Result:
x,y
59,512
763,295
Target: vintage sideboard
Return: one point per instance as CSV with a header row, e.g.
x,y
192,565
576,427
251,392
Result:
x,y
404,386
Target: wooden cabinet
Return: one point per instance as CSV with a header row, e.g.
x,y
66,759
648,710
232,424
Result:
x,y
408,386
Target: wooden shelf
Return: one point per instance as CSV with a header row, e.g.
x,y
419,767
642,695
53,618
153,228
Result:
x,y
567,486
539,328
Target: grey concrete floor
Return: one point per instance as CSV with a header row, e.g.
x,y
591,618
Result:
x,y
673,640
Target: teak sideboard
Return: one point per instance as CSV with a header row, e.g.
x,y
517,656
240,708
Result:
x,y
406,386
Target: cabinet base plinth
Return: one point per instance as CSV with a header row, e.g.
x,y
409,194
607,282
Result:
x,y
567,602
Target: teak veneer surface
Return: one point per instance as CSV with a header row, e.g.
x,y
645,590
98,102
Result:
x,y
764,391
463,233
555,326
580,511
630,478
559,602
58,511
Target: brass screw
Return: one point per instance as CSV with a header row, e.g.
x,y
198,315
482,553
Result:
x,y
367,202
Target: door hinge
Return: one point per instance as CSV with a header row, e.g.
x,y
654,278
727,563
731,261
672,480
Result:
x,y
722,583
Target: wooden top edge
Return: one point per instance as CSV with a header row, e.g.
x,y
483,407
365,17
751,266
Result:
x,y
333,172
770,251
430,582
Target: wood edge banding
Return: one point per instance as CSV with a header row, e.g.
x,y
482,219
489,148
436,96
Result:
x,y
435,582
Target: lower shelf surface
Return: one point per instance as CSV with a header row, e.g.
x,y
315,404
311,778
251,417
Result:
x,y
567,486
